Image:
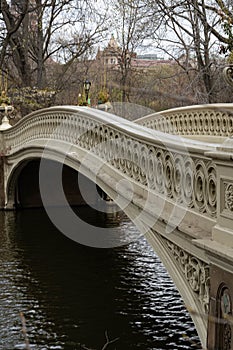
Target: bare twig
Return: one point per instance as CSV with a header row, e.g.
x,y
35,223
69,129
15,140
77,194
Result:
x,y
226,318
24,331
193,343
85,348
108,342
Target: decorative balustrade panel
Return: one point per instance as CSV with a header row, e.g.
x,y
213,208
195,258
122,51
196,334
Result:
x,y
195,271
184,177
212,120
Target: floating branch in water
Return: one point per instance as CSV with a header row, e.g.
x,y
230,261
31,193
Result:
x,y
24,331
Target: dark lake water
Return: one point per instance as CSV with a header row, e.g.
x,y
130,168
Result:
x,y
71,295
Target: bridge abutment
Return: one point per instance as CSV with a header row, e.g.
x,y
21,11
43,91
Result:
x,y
220,309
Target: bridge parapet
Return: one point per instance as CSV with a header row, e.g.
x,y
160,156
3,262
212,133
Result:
x,y
201,120
173,167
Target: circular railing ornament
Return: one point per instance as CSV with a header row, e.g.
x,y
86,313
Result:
x,y
228,75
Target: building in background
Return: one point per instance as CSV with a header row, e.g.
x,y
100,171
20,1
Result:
x,y
31,17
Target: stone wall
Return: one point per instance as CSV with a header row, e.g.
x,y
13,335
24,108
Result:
x,y
221,311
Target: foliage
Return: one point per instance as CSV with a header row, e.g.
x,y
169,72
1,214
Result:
x,y
4,99
82,100
227,24
230,58
228,29
27,100
103,96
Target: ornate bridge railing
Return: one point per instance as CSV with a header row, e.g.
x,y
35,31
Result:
x,y
171,166
212,120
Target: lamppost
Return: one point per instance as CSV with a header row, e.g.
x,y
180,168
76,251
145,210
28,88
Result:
x,y
87,86
5,121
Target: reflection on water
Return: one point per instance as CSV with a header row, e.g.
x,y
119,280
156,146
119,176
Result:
x,y
71,294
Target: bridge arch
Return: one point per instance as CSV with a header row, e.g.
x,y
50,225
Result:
x,y
22,188
156,236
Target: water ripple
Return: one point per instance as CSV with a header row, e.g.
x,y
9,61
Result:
x,y
70,295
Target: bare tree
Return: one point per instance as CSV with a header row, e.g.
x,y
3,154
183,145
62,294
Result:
x,y
190,33
131,26
35,31
13,39
224,10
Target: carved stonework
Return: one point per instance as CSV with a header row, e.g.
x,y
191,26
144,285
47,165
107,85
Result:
x,y
228,75
195,271
228,196
224,327
227,337
195,120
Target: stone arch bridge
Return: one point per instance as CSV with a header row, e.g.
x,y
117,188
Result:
x,y
171,172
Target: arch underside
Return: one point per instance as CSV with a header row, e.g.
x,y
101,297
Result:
x,y
186,263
